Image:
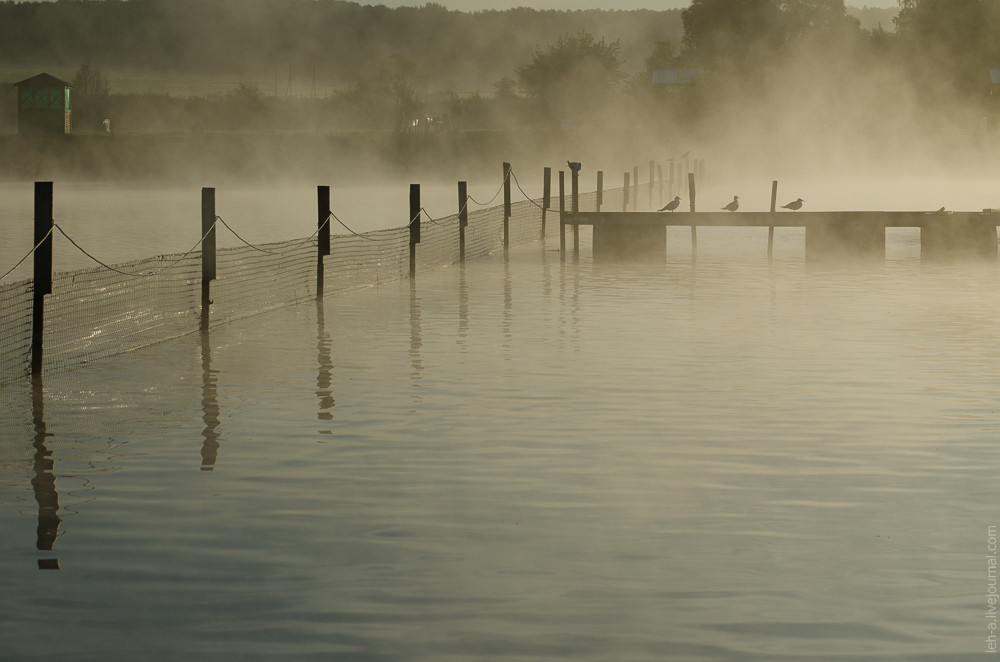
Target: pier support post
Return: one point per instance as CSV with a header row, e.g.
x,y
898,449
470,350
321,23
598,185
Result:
x,y
575,202
693,194
562,215
671,188
546,195
635,188
770,229
659,172
506,207
652,173
951,237
208,263
463,219
323,234
42,283
414,227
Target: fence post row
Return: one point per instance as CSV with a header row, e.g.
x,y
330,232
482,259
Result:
x,y
506,207
562,214
546,195
414,226
42,283
208,263
463,219
323,224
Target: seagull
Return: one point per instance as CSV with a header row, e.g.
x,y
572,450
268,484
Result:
x,y
673,204
940,210
685,154
794,206
734,205
574,165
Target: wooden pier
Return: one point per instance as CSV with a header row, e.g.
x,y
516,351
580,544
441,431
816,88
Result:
x,y
829,235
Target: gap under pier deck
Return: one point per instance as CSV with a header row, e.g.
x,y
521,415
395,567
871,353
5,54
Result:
x,y
829,235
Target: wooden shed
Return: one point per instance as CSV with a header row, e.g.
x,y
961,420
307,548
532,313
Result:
x,y
43,106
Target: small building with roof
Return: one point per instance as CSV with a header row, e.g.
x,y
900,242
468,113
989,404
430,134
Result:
x,y
43,106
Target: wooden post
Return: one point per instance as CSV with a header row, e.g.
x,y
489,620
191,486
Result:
x,y
562,213
692,194
600,189
701,173
546,195
626,194
635,188
652,171
671,189
42,283
463,219
575,202
770,230
659,172
208,272
323,236
506,207
414,226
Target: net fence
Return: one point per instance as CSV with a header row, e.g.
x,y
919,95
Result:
x,y
114,309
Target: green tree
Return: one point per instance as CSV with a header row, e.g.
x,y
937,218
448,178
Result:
x,y
91,81
577,70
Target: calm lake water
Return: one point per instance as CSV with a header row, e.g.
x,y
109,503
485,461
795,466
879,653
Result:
x,y
717,459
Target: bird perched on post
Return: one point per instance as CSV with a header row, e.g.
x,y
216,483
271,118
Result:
x,y
673,204
574,165
734,205
794,205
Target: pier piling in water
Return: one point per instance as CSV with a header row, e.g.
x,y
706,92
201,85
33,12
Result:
x,y
42,283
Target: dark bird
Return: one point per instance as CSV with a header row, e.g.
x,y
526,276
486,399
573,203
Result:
x,y
574,165
794,205
685,154
673,204
940,210
734,205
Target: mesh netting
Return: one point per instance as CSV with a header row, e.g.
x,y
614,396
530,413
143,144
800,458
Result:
x,y
367,259
254,280
95,313
113,309
16,301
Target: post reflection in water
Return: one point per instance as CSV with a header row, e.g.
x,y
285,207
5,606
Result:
x,y
209,405
44,482
324,379
416,339
508,304
463,308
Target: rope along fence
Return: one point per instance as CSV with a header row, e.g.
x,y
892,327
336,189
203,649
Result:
x,y
109,310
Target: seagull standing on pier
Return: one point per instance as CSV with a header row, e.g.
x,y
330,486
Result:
x,y
794,206
673,204
734,205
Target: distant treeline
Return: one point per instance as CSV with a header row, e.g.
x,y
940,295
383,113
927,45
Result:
x,y
344,41
752,66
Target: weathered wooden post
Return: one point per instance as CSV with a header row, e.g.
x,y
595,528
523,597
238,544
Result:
x,y
671,189
701,173
546,195
659,172
562,215
414,227
626,193
42,283
323,237
770,230
600,189
506,207
208,264
575,202
692,194
652,171
635,188
463,218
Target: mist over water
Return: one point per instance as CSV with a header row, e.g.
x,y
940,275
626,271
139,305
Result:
x,y
718,459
